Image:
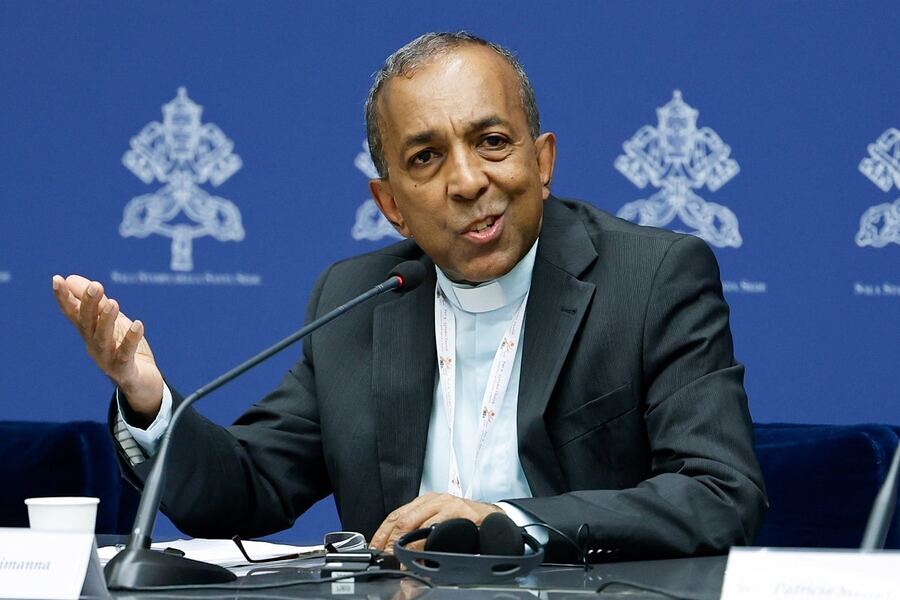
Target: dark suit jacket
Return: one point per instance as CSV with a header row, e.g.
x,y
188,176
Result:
x,y
632,417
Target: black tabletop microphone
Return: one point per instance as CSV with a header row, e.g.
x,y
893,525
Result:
x,y
137,566
883,508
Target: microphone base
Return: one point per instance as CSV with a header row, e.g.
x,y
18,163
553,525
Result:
x,y
134,568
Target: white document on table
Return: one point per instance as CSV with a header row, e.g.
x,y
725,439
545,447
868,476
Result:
x,y
224,553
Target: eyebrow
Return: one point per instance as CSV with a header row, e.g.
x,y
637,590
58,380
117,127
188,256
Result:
x,y
423,137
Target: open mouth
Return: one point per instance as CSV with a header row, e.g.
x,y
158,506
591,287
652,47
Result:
x,y
486,229
487,223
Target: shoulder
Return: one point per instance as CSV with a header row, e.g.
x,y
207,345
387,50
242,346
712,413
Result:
x,y
599,223
619,243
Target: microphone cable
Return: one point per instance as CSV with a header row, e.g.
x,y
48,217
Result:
x,y
584,531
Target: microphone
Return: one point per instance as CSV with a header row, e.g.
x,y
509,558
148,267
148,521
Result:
x,y
411,274
137,566
882,509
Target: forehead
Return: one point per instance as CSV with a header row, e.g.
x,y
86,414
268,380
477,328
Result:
x,y
464,85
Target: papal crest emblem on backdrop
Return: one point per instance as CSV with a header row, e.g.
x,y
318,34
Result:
x,y
370,224
880,224
678,157
182,153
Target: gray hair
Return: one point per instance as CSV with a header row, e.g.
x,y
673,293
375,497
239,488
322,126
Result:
x,y
417,54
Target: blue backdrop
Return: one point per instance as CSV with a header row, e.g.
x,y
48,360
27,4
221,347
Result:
x,y
766,127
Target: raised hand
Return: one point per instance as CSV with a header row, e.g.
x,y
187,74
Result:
x,y
115,342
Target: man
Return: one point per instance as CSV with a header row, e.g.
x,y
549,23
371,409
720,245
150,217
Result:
x,y
558,364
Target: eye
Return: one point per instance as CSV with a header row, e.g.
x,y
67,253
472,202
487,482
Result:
x,y
423,157
494,141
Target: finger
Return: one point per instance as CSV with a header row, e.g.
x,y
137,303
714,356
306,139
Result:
x,y
423,516
417,517
77,285
441,516
381,535
444,508
125,351
68,303
414,504
398,532
87,313
104,336
385,530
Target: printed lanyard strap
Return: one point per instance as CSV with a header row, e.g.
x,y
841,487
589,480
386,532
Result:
x,y
497,383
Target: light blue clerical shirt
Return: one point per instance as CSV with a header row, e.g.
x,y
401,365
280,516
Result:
x,y
483,314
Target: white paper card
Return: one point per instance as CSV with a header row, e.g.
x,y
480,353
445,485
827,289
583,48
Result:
x,y
343,586
218,552
800,574
49,564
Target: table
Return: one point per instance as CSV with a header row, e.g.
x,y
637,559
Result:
x,y
690,578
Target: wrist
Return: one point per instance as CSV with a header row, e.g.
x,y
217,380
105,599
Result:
x,y
143,405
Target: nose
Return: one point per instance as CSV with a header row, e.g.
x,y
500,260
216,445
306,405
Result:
x,y
467,179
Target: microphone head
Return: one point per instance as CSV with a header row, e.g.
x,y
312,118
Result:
x,y
411,274
499,535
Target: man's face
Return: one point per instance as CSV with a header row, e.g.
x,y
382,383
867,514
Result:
x,y
465,179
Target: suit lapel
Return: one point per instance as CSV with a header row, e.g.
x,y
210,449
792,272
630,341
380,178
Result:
x,y
404,363
556,306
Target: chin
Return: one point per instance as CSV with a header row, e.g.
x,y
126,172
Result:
x,y
495,270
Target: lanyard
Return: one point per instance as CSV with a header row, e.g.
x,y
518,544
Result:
x,y
497,383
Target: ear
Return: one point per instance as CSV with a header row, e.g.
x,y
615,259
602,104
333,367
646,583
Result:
x,y
545,150
383,194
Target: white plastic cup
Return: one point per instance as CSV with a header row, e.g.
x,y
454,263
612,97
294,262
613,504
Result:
x,y
74,513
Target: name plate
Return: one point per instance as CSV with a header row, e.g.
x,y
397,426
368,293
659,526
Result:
x,y
801,574
49,564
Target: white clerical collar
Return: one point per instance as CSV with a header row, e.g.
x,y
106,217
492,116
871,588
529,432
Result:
x,y
494,294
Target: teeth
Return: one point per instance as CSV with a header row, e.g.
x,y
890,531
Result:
x,y
487,223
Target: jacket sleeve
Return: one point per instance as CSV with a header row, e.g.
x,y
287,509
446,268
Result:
x,y
253,478
705,491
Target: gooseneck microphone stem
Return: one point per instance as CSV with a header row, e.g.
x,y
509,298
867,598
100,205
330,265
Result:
x,y
883,508
150,500
138,566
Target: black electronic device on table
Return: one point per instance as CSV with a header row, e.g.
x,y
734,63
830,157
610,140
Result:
x,y
459,552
